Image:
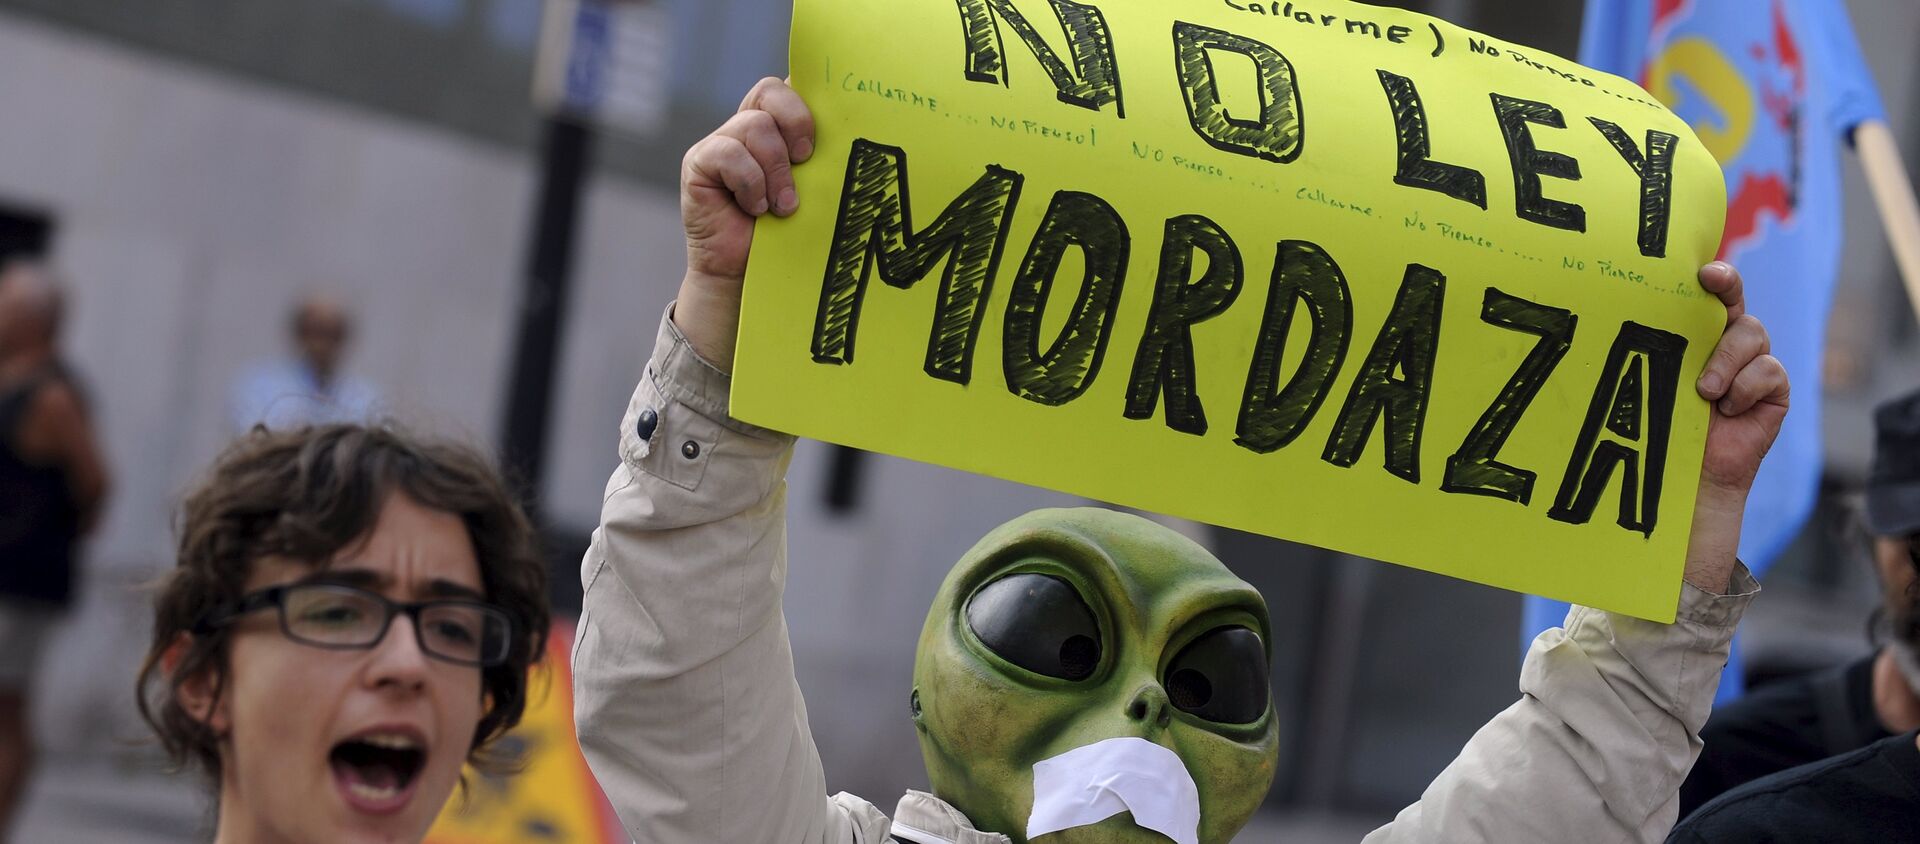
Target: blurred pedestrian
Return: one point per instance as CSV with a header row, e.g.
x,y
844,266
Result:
x,y
351,619
309,388
52,485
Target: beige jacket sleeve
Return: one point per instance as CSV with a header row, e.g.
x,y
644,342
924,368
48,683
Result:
x,y
1607,725
684,693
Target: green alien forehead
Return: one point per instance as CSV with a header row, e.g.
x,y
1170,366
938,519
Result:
x,y
1063,628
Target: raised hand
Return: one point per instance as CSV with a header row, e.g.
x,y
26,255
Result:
x,y
728,180
1749,391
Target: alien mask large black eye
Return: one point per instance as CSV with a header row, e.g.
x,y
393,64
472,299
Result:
x,y
1221,676
1038,622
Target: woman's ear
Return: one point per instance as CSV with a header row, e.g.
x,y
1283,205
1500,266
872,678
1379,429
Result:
x,y
198,693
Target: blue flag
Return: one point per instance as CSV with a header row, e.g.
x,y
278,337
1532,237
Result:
x,y
1773,88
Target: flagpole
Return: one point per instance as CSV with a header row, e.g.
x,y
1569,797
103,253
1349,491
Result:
x,y
1893,192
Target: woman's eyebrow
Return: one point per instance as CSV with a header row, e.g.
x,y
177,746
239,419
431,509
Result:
x,y
346,577
440,588
375,580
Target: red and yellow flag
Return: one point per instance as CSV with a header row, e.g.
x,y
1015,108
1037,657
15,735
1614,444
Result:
x,y
555,798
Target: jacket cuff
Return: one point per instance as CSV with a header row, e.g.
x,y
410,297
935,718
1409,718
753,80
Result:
x,y
678,416
1698,606
686,377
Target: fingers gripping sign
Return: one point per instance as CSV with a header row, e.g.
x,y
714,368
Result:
x,y
728,180
1749,391
790,113
1747,385
740,172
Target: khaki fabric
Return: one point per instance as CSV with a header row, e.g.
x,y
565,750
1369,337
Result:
x,y
690,716
1606,728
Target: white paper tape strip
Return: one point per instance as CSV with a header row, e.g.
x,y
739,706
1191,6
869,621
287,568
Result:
x,y
1087,785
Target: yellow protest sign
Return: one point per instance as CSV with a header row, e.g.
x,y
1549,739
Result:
x,y
1342,274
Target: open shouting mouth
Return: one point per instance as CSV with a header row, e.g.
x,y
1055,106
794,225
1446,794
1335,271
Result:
x,y
376,771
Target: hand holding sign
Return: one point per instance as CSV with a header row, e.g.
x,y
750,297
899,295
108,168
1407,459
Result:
x,y
727,180
1749,389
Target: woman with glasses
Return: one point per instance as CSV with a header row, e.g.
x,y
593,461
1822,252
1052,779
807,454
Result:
x,y
352,618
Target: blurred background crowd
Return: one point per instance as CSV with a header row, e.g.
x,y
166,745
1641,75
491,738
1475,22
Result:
x,y
362,202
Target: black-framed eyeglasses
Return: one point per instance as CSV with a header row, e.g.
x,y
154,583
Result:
x,y
328,615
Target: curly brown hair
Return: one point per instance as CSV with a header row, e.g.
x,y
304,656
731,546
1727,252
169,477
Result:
x,y
305,495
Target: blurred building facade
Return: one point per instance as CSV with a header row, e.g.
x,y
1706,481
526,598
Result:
x,y
194,165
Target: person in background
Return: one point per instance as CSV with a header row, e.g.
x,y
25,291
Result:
x,y
351,618
1805,719
1867,712
52,485
310,388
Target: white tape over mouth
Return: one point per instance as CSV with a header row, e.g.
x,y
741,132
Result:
x,y
1089,784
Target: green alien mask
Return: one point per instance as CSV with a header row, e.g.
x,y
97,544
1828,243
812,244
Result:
x,y
1066,628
